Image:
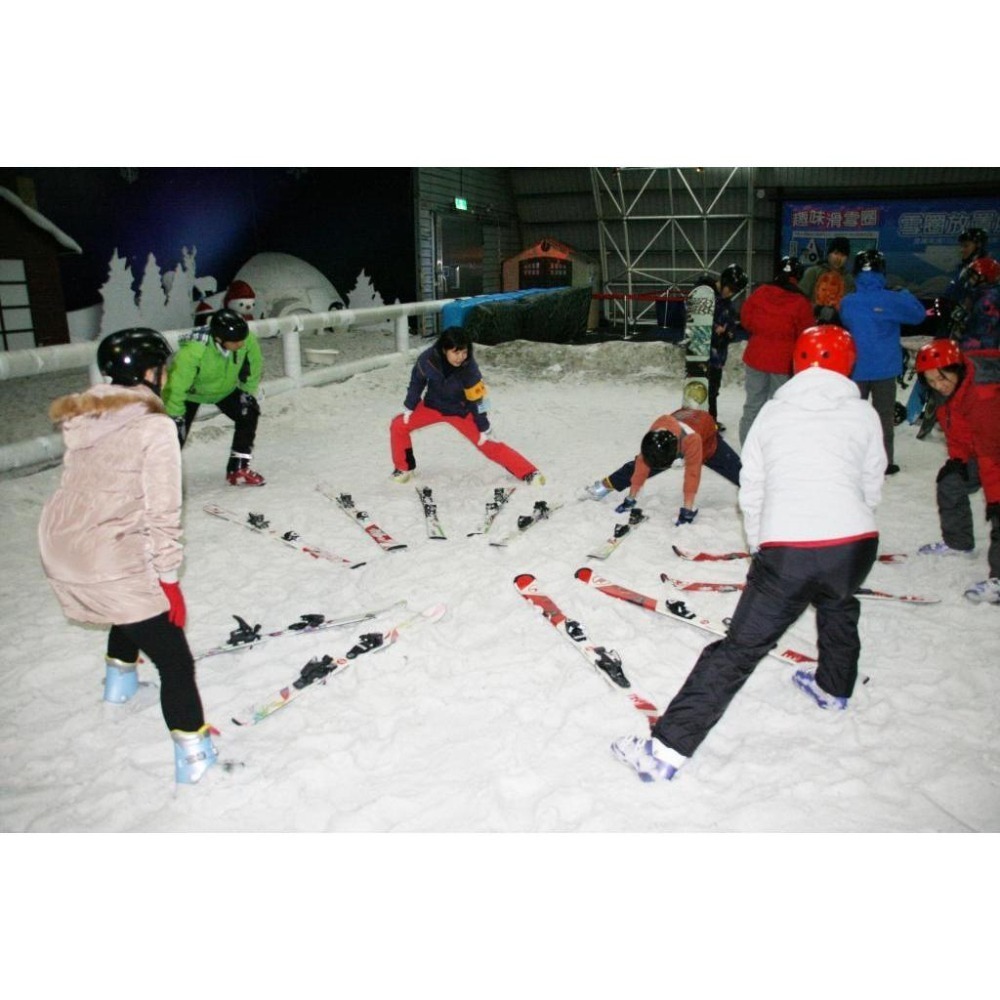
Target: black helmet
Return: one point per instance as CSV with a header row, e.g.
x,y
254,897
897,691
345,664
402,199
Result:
x,y
974,235
789,267
869,260
733,277
659,449
227,326
127,355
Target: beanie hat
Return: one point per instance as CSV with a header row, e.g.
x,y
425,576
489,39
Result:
x,y
839,244
239,290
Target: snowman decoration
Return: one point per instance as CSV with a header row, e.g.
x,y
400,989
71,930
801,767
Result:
x,y
242,299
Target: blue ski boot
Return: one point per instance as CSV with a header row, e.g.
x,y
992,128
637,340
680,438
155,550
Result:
x,y
121,680
194,754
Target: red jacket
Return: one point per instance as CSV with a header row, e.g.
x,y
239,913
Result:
x,y
774,317
970,418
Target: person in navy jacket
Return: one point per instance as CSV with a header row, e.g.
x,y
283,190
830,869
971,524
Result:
x,y
446,386
873,315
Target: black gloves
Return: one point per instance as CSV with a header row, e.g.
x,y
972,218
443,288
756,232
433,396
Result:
x,y
993,514
182,429
953,467
248,404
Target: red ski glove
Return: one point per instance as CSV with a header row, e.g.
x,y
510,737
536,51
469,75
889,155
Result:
x,y
177,615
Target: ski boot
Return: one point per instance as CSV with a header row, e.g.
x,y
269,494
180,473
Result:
x,y
534,478
987,592
401,476
942,549
651,759
806,682
194,754
596,491
121,680
239,473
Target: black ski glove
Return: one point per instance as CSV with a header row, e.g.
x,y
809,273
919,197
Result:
x,y
993,514
182,429
953,467
248,404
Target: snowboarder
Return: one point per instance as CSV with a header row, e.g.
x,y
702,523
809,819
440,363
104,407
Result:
x,y
446,386
967,387
725,325
774,315
828,282
812,476
220,364
110,536
692,433
873,315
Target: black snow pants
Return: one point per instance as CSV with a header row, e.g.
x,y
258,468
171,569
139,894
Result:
x,y
955,512
244,416
783,581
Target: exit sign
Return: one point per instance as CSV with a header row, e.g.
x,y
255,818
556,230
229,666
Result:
x,y
461,204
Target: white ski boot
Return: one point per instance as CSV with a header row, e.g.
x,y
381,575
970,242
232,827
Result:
x,y
121,680
194,754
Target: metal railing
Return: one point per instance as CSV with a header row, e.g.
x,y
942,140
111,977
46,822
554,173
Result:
x,y
68,357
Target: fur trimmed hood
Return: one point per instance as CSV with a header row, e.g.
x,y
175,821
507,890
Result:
x,y
87,417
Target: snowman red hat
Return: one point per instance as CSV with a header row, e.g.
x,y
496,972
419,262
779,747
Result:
x,y
240,297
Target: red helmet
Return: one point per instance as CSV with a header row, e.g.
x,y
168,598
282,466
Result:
x,y
938,354
985,269
826,346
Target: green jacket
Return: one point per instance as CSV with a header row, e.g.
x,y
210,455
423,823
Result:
x,y
202,372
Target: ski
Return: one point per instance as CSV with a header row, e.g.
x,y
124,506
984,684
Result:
x,y
678,610
345,502
621,531
607,662
259,524
426,496
865,593
540,512
889,557
246,635
321,668
493,507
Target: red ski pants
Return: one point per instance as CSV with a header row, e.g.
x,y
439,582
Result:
x,y
423,416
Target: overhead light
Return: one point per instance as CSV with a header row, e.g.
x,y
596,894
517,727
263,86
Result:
x,y
461,204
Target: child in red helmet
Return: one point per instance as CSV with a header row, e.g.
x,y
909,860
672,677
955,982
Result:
x,y
812,475
967,388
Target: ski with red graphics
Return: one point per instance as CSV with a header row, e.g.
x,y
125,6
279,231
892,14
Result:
x,y
607,662
889,557
678,610
864,593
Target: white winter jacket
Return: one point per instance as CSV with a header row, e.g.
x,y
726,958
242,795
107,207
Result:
x,y
813,464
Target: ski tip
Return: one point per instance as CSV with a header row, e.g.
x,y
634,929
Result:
x,y
435,612
678,551
523,580
584,573
358,565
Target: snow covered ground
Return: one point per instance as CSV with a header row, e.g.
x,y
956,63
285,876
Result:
x,y
488,720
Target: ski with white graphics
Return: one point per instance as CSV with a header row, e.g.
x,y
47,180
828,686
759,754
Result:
x,y
501,496
692,556
542,511
375,532
622,530
259,524
434,529
245,636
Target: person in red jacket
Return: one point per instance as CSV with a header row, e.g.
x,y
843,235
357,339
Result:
x,y
692,434
969,385
774,315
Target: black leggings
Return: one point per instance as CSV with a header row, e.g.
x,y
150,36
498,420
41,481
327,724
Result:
x,y
245,418
166,645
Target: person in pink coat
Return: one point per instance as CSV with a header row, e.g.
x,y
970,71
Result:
x,y
110,536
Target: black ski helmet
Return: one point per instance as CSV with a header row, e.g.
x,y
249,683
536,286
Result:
x,y
228,327
733,277
126,356
790,267
659,449
975,236
869,260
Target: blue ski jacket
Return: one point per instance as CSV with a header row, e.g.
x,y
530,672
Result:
x,y
452,391
873,316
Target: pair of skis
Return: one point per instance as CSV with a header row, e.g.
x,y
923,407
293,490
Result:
x,y
320,669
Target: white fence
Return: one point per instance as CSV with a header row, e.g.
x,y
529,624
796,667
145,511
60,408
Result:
x,y
67,357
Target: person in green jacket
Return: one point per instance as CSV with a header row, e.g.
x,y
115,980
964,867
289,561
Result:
x,y
220,364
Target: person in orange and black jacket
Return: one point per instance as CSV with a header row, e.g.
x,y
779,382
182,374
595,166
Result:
x,y
691,434
774,315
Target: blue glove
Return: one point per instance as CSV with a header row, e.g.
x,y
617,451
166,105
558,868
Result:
x,y
685,516
626,505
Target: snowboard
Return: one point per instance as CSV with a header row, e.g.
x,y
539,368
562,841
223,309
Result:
x,y
700,310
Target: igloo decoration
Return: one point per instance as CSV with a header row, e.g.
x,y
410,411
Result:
x,y
285,285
